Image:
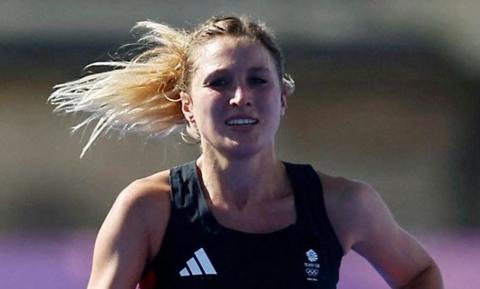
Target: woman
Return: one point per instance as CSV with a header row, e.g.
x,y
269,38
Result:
x,y
237,217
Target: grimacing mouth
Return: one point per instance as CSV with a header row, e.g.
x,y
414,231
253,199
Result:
x,y
241,121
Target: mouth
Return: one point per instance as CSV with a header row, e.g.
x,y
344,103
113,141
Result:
x,y
241,122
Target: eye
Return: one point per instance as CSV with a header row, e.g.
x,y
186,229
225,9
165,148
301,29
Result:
x,y
257,80
218,83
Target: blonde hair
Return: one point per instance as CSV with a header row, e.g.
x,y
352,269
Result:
x,y
143,95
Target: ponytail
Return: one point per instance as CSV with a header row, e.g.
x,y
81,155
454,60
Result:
x,y
141,95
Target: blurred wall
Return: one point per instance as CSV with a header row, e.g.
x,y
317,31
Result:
x,y
386,93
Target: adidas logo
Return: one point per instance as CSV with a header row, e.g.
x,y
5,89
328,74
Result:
x,y
198,265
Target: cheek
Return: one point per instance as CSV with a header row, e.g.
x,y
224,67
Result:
x,y
207,113
271,103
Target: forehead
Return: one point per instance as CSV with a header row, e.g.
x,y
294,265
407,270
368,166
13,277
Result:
x,y
224,52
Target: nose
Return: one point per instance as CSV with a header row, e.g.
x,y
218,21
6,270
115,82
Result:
x,y
241,96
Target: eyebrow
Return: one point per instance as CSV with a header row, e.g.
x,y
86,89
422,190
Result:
x,y
221,70
259,69
254,69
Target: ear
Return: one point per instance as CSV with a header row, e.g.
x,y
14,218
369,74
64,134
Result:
x,y
187,106
285,93
284,104
288,86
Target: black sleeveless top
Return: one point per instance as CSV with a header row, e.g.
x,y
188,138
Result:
x,y
197,252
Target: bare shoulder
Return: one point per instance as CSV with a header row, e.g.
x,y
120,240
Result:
x,y
132,233
149,195
363,223
145,203
141,191
352,205
353,195
340,187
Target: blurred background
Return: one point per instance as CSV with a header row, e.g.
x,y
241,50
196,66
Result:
x,y
387,92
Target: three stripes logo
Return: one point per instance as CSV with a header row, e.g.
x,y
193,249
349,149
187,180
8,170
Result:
x,y
199,264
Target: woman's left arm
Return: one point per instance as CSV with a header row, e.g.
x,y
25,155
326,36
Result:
x,y
364,224
428,278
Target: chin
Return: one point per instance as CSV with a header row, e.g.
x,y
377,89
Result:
x,y
236,150
241,154
239,148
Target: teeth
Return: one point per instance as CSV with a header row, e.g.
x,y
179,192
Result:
x,y
241,121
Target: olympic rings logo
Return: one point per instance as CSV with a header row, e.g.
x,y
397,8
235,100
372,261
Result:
x,y
312,272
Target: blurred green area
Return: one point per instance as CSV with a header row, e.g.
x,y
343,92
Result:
x,y
386,93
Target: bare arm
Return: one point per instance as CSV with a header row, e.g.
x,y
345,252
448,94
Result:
x,y
364,224
130,235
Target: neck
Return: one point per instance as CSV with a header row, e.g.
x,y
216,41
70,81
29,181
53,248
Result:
x,y
237,183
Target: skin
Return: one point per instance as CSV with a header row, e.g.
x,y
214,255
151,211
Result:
x,y
247,187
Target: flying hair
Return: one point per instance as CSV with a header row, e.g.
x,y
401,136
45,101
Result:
x,y
142,95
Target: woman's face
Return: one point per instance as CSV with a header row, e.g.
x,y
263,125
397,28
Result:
x,y
235,97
